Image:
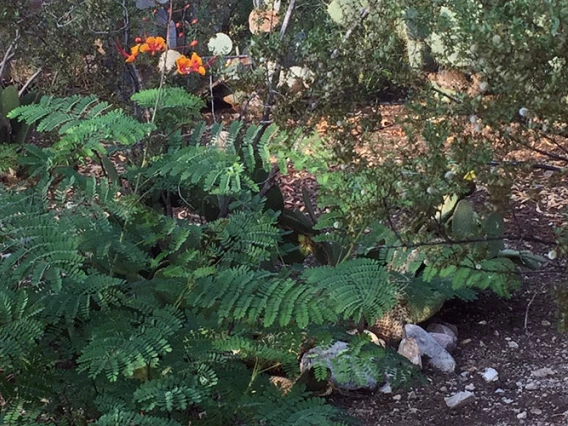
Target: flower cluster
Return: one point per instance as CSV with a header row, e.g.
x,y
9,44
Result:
x,y
187,65
152,45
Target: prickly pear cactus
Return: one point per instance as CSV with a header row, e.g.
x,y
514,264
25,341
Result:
x,y
463,220
12,131
345,12
220,44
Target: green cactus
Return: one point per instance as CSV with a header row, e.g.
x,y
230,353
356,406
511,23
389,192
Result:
x,y
13,131
463,220
344,12
220,44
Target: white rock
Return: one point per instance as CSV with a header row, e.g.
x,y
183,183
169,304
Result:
x,y
386,388
522,415
532,386
536,411
470,387
409,349
545,323
460,400
397,397
439,357
499,390
490,375
543,372
513,345
506,400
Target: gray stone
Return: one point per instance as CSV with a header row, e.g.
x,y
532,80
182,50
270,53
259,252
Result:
x,y
460,400
449,343
532,386
522,415
409,349
442,329
439,357
543,372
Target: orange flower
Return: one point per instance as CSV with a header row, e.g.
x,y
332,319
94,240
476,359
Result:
x,y
134,50
153,45
187,65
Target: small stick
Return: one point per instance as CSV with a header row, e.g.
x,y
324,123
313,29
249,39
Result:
x,y
25,86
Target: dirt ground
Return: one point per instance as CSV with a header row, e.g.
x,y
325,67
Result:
x,y
516,337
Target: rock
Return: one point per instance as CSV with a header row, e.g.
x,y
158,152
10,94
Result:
x,y
465,342
543,372
441,328
325,357
536,411
545,323
451,327
499,390
439,357
386,388
506,400
490,375
522,415
397,398
409,349
375,339
470,387
513,345
482,322
532,386
449,343
460,400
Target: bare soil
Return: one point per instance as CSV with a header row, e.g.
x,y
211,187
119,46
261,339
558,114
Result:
x,y
516,337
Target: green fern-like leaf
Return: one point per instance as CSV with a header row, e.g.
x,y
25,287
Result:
x,y
358,289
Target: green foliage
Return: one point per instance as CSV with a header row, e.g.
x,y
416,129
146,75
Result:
x,y
138,317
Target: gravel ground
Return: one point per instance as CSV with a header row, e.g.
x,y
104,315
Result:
x,y
516,337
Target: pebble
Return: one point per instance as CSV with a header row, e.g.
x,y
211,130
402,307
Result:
x,y
460,399
397,397
543,372
536,411
465,341
522,415
532,386
506,400
443,389
490,375
545,323
470,387
386,388
513,345
482,322
499,390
